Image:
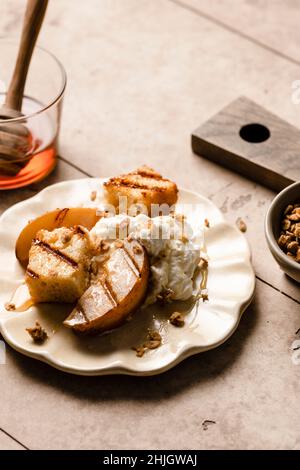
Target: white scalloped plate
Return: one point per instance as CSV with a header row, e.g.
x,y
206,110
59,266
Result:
x,y
230,285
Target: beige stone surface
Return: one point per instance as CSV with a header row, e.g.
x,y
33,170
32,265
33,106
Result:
x,y
8,443
272,23
249,386
142,75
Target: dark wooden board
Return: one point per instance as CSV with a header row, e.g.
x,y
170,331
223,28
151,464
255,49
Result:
x,y
274,162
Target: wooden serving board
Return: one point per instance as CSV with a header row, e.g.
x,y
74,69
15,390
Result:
x,y
250,140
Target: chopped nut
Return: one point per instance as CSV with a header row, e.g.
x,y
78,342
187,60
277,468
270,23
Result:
x,y
153,341
154,335
177,319
165,295
286,224
294,217
203,296
93,195
206,223
10,306
37,333
293,247
284,240
241,225
152,344
288,240
140,350
296,230
103,245
289,209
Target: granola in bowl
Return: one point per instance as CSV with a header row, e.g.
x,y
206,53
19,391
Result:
x,y
289,240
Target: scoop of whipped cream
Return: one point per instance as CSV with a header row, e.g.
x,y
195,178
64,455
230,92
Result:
x,y
172,246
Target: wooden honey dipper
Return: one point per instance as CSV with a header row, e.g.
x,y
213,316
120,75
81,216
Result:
x,y
15,138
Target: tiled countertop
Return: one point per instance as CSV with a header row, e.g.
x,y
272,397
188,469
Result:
x,y
143,74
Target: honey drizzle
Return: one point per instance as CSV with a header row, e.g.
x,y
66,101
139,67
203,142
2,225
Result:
x,y
20,300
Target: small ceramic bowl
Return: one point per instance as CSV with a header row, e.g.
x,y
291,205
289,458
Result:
x,y
289,195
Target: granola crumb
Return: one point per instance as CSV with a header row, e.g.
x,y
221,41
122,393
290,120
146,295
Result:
x,y
206,223
37,333
176,319
10,306
103,245
165,296
93,195
152,344
153,341
154,335
289,238
241,224
204,297
206,423
139,350
289,209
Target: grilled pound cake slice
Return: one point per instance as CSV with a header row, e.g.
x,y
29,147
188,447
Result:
x,y
142,186
119,290
58,268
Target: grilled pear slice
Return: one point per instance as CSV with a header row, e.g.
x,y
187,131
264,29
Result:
x,y
118,292
142,186
84,216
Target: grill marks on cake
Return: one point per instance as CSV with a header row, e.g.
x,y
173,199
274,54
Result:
x,y
110,292
143,178
106,283
61,216
131,262
135,184
82,312
55,252
32,274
